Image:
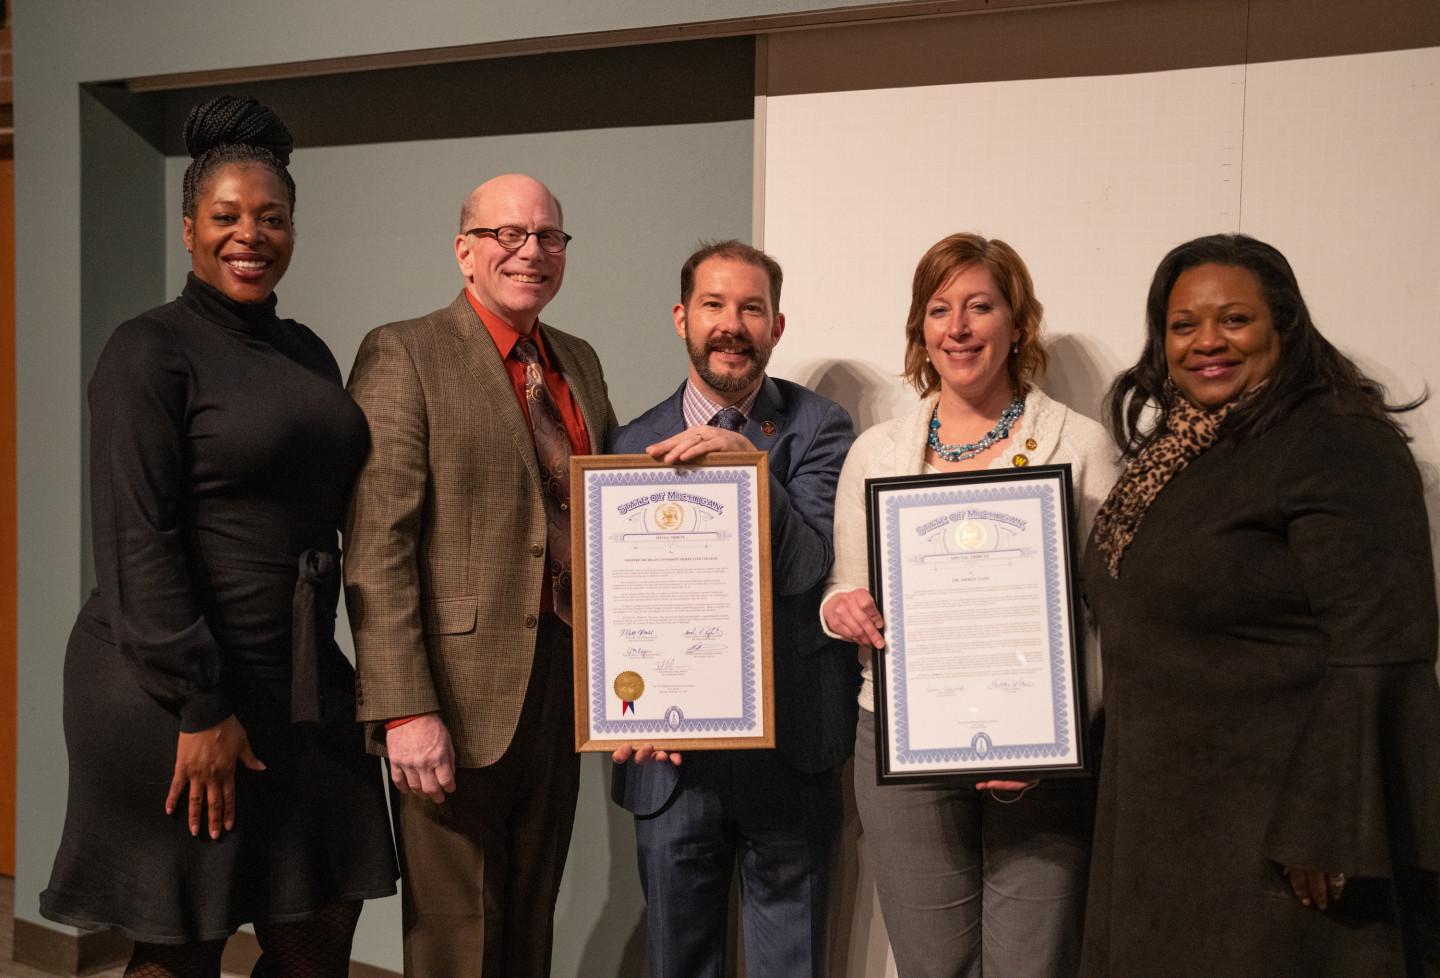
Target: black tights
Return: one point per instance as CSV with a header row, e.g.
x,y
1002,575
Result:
x,y
316,947
200,959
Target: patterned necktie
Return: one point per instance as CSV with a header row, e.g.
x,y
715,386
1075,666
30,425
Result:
x,y
728,418
552,451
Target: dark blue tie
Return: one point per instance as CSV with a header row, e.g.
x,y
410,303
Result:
x,y
729,418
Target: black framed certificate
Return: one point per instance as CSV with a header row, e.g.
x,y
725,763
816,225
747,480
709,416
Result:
x,y
671,593
981,677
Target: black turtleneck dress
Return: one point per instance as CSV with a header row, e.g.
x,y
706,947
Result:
x,y
222,450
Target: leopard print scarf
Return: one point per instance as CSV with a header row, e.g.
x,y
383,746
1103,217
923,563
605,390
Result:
x,y
1189,430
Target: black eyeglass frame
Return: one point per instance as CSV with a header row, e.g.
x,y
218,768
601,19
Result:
x,y
528,235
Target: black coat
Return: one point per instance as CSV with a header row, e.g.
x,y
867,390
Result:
x,y
1269,653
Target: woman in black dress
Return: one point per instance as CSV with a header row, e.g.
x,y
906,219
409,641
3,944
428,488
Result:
x,y
1262,578
217,775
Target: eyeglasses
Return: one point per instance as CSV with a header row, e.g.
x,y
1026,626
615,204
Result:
x,y
512,238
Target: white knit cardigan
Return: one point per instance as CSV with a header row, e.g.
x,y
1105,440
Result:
x,y
898,448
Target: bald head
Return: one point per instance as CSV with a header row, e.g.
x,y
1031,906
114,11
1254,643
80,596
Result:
x,y
513,285
488,194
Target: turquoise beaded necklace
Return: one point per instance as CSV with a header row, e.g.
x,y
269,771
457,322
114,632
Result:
x,y
959,453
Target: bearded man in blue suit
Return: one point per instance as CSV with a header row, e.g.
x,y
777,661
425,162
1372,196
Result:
x,y
775,813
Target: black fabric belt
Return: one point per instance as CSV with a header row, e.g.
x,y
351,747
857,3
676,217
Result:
x,y
317,592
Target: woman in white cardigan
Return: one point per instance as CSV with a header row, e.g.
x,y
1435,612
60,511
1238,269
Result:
x,y
990,878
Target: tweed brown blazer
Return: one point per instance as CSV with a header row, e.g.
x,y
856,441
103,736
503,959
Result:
x,y
445,536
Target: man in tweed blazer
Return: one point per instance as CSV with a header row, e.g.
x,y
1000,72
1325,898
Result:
x,y
774,812
464,661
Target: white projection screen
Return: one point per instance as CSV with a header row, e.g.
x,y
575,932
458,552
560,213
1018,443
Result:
x,y
1336,161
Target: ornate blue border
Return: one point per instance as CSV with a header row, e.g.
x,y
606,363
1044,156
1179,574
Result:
x,y
673,720
982,748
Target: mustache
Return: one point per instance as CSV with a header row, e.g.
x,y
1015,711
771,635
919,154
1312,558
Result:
x,y
729,344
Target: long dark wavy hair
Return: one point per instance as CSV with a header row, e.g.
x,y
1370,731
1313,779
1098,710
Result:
x,y
1309,364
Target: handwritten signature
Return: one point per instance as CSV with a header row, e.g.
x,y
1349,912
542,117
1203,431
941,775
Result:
x,y
667,667
637,634
1010,685
702,648
636,652
704,631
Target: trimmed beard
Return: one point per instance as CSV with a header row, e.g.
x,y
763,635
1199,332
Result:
x,y
727,383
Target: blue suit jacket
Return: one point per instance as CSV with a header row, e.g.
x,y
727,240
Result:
x,y
816,677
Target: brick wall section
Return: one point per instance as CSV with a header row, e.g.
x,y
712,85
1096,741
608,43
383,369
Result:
x,y
6,73
9,596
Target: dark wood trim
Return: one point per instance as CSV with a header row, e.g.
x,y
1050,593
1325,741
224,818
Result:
x,y
770,23
643,85
1119,37
60,953
243,951
1288,30
1124,37
762,63
358,970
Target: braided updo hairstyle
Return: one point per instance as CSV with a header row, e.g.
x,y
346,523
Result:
x,y
234,129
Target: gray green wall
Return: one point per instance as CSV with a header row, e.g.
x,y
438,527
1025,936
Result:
x,y
375,227
97,233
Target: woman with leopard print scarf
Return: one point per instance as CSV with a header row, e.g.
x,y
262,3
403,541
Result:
x,y
1262,577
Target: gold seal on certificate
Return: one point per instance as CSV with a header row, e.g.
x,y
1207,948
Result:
x,y
629,686
671,600
970,535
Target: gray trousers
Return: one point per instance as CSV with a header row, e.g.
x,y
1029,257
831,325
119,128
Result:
x,y
971,886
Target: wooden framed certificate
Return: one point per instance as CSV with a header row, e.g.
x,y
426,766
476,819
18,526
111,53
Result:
x,y
981,676
671,597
